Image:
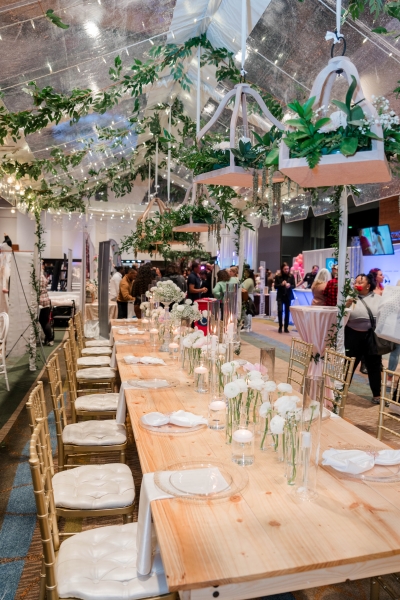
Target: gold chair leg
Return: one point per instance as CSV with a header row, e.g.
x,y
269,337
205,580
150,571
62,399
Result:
x,y
42,585
122,457
374,589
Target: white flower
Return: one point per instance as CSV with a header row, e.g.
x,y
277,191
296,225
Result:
x,y
228,368
245,139
264,409
222,146
241,384
153,289
231,390
187,342
180,308
199,342
253,375
204,313
188,301
285,388
256,384
221,348
277,424
270,386
338,119
286,404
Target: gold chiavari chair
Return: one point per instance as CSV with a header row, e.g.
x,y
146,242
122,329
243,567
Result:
x,y
91,343
337,372
86,437
103,375
389,409
96,379
92,350
85,491
84,362
299,361
102,402
70,569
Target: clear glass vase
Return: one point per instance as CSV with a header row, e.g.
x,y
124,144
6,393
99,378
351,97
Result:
x,y
310,437
267,361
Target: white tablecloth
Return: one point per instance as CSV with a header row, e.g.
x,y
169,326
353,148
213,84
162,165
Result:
x,y
313,324
92,311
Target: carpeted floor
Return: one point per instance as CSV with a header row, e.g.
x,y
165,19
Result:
x,y
20,547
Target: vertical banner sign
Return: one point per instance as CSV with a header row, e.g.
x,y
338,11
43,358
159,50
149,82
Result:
x,y
104,280
262,286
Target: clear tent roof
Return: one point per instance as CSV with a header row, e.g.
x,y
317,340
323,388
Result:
x,y
286,49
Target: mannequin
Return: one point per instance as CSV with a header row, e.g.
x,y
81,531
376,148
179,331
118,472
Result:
x,y
5,269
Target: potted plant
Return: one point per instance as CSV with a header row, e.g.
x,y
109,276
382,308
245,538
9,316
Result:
x,y
343,149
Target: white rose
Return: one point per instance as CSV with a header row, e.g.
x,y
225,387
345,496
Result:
x,y
254,375
231,390
180,308
187,342
270,386
277,424
256,384
242,384
286,404
264,409
228,368
199,343
338,119
285,388
188,301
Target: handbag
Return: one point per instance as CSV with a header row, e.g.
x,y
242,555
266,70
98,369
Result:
x,y
376,346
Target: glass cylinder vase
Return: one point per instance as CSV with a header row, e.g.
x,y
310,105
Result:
x,y
267,361
310,438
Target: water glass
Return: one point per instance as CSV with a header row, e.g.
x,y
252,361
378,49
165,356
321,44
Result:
x,y
243,443
174,351
217,414
154,337
267,361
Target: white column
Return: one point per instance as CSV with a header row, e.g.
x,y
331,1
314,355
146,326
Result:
x,y
343,227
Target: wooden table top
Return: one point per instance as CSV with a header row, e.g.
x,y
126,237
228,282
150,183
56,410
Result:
x,y
261,533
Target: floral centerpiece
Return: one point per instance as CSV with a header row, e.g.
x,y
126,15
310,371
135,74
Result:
x,y
192,347
91,290
189,311
166,292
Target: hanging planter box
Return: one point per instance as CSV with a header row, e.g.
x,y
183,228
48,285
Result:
x,y
369,166
232,175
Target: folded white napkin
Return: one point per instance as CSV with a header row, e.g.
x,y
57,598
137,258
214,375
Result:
x,y
155,419
186,419
144,360
122,330
149,492
136,331
388,457
348,461
155,383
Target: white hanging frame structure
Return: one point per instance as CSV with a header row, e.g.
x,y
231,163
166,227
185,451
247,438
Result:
x,y
233,175
192,227
368,166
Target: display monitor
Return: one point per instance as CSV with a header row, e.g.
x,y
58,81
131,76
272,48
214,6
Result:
x,y
376,241
329,263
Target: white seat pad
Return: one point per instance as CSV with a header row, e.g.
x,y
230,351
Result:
x,y
94,433
102,373
93,361
94,487
97,402
100,564
98,343
93,351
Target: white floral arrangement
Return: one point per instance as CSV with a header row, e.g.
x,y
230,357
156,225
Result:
x,y
166,292
145,306
91,286
189,311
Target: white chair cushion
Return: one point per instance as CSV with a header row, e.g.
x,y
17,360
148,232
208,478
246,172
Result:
x,y
93,361
98,343
94,487
93,351
94,433
100,564
102,373
97,402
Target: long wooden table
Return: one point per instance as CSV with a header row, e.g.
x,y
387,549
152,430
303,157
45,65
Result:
x,y
259,542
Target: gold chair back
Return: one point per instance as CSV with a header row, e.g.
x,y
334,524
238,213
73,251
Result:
x,y
71,378
337,372
299,361
390,404
79,333
72,339
36,407
43,491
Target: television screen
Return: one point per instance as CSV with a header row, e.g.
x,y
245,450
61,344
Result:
x,y
329,263
376,241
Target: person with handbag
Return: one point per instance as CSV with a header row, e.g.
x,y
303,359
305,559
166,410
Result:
x,y
359,334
